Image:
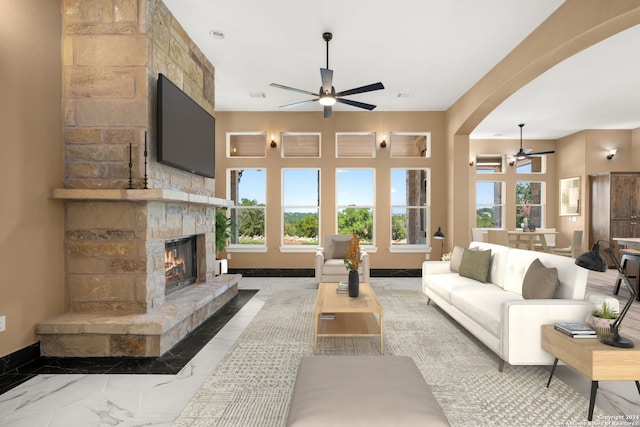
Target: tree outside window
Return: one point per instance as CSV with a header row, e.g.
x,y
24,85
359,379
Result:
x,y
489,204
355,189
301,206
409,206
530,195
247,189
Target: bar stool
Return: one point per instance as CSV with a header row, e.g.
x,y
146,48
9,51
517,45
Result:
x,y
626,256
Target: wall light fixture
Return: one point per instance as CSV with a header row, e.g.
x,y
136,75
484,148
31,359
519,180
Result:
x,y
612,153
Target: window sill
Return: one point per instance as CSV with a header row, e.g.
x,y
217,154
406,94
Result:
x,y
410,249
247,248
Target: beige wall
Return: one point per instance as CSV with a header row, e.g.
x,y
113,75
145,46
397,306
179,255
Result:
x,y
379,122
31,229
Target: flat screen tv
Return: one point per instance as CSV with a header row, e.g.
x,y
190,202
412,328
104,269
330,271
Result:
x,y
186,131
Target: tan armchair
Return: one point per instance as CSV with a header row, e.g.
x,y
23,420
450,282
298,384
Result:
x,y
330,260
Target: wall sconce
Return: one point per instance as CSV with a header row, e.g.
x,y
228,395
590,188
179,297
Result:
x,y
383,144
612,153
512,161
273,143
471,162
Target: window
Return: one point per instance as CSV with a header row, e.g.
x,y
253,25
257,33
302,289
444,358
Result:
x,y
247,189
300,206
409,206
489,204
298,144
355,201
530,165
410,144
529,197
489,163
246,144
355,144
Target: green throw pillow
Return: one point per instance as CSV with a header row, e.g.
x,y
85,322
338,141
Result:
x,y
539,281
456,258
475,265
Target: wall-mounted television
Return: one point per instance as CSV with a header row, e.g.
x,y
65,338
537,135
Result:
x,y
186,131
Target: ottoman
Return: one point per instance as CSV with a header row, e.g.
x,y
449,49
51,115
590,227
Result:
x,y
362,391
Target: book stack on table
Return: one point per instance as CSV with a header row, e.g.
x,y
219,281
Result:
x,y
576,330
343,288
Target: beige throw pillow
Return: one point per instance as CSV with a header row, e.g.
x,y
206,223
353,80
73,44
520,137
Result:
x,y
539,281
456,259
340,249
475,264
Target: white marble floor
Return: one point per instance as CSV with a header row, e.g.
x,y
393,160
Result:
x,y
157,400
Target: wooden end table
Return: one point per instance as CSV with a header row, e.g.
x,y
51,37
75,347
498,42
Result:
x,y
599,362
361,316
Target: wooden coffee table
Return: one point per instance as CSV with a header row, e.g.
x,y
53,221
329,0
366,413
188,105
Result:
x,y
354,317
592,358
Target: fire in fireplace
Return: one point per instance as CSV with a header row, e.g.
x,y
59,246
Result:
x,y
180,264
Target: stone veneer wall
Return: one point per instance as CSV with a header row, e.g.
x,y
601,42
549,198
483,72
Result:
x,y
113,51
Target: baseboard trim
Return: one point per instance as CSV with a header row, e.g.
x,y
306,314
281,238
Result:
x,y
309,272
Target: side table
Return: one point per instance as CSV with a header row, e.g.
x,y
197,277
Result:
x,y
599,362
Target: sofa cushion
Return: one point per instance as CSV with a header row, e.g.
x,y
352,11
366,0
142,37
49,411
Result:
x,y
333,267
475,265
539,282
456,258
482,304
445,283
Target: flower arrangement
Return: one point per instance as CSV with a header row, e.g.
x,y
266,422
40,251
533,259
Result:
x,y
352,260
447,256
525,209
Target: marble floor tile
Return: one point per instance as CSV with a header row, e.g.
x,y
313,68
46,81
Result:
x,y
123,400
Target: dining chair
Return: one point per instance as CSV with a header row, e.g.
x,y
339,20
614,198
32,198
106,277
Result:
x,y
573,250
477,235
498,237
550,239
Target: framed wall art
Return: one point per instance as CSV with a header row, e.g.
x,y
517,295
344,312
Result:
x,y
570,196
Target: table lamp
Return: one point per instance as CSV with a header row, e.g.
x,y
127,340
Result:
x,y
439,235
593,260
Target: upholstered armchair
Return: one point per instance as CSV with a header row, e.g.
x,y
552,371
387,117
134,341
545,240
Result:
x,y
330,260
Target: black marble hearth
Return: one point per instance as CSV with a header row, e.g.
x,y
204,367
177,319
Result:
x,y
26,364
309,272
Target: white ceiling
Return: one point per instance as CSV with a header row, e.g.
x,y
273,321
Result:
x,y
428,51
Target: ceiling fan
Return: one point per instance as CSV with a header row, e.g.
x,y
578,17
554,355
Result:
x,y
523,155
327,95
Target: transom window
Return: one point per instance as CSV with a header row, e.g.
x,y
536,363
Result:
x,y
300,144
410,144
355,144
246,144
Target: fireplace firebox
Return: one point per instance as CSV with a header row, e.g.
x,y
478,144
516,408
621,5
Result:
x,y
180,263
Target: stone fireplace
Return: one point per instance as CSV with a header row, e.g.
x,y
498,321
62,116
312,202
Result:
x,y
121,205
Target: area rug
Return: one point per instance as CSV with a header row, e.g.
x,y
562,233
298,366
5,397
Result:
x,y
252,385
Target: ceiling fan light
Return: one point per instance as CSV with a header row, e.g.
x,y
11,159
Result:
x,y
327,100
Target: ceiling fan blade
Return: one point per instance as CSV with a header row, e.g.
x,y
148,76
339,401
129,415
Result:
x,y
540,153
361,89
356,104
298,103
328,111
293,89
327,79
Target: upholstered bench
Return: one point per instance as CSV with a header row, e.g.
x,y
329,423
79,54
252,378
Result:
x,y
362,391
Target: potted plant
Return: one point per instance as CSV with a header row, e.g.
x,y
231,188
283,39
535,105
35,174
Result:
x,y
602,318
224,226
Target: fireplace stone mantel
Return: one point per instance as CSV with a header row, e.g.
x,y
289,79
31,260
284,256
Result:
x,y
137,195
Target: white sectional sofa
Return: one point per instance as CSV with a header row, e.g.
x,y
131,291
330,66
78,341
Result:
x,y
497,314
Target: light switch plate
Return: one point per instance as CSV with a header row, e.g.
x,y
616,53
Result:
x,y
3,323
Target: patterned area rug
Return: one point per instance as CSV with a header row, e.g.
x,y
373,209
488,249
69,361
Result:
x,y
252,385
